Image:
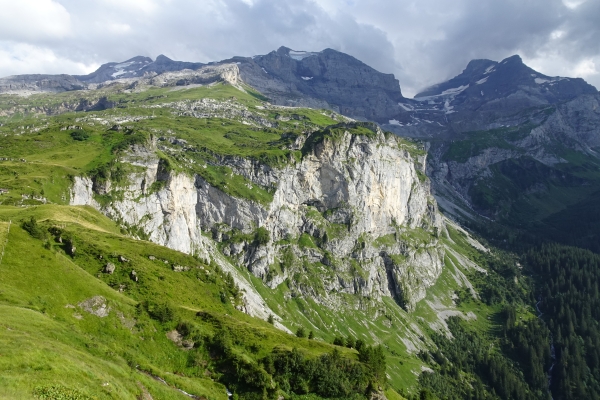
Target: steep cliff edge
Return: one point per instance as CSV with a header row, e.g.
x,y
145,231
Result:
x,y
347,205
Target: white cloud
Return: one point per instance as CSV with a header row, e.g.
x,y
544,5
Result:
x,y
586,68
33,20
146,6
28,59
421,42
116,27
573,4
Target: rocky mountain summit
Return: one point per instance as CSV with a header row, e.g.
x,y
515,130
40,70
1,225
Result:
x,y
505,139
484,81
136,67
487,90
328,79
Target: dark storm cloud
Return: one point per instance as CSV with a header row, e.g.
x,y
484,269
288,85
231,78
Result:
x,y
435,39
422,42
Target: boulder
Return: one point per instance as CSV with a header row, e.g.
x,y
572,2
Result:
x,y
109,268
96,305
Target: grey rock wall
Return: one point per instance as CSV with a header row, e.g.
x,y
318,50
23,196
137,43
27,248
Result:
x,y
366,187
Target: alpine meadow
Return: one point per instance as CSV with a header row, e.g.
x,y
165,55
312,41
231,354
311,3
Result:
x,y
291,226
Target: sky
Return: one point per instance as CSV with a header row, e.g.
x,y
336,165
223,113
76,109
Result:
x,y
422,42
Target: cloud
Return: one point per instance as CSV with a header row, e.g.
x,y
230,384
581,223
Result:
x,y
33,20
421,42
29,59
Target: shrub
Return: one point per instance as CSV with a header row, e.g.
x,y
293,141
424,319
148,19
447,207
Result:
x,y
301,332
287,260
262,236
58,392
350,342
80,135
359,345
32,227
162,311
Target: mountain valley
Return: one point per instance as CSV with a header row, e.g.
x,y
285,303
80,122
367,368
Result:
x,y
291,226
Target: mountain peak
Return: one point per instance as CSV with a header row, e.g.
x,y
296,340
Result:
x,y
162,59
139,59
515,59
478,66
485,80
326,79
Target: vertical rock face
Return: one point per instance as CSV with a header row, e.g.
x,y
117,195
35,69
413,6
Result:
x,y
349,207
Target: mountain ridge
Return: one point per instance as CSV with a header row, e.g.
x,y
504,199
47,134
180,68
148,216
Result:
x,y
304,217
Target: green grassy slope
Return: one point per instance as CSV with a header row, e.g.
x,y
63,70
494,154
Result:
x,y
43,285
47,338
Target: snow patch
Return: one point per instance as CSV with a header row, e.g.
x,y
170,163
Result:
x,y
539,81
120,69
124,65
307,78
454,91
395,122
264,70
300,55
406,107
482,81
489,70
118,73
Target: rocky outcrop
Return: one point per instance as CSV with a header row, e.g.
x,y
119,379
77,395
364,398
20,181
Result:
x,y
29,84
534,143
325,79
96,305
329,210
137,67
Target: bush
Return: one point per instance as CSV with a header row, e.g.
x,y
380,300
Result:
x,y
287,260
262,236
32,227
162,311
359,345
301,332
58,392
80,135
327,376
350,342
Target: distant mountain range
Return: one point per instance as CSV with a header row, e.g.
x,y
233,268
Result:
x,y
310,220
529,115
335,80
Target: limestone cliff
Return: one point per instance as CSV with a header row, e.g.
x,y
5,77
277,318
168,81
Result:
x,y
353,215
